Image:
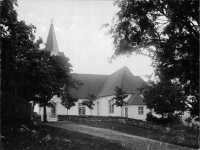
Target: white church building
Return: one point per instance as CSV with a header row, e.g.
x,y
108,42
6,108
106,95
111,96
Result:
x,y
103,87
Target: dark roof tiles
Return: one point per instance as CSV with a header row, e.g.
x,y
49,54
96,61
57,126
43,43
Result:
x,y
92,84
135,99
124,79
104,85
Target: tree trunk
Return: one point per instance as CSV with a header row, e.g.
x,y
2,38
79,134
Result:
x,y
15,115
45,114
91,112
121,111
32,111
67,111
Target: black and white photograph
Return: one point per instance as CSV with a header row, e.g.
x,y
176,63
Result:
x,y
100,75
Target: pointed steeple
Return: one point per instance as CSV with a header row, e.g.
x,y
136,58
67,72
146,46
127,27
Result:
x,y
51,44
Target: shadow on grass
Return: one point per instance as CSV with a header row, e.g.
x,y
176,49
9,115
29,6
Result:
x,y
143,132
50,138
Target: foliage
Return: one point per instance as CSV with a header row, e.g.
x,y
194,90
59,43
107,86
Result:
x,y
165,98
17,39
120,95
90,101
27,70
175,118
68,100
56,71
36,116
166,31
188,120
47,137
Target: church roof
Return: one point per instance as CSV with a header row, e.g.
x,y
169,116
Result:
x,y
124,79
104,85
92,84
135,99
51,44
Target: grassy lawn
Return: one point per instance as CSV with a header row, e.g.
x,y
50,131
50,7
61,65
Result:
x,y
50,138
143,132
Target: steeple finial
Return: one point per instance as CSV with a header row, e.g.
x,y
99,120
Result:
x,y
51,21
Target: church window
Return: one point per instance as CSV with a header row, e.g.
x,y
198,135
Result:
x,y
53,111
140,110
81,109
111,106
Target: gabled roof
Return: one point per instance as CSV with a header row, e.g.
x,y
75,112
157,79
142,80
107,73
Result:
x,y
104,85
92,84
135,99
51,44
124,79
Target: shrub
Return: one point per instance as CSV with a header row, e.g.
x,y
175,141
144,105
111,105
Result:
x,y
175,118
164,121
188,120
36,116
150,117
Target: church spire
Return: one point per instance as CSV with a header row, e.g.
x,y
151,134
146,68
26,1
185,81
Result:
x,y
51,44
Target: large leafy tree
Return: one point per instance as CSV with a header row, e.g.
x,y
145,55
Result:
x,y
53,74
27,70
17,39
119,97
50,76
166,31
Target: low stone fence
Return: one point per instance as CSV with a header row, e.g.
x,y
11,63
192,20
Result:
x,y
130,121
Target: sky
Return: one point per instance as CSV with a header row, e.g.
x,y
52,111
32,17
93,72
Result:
x,y
79,34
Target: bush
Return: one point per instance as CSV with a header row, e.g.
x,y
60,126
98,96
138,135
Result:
x,y
164,121
36,116
188,120
151,118
175,118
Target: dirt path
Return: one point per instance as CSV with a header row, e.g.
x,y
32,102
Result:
x,y
127,141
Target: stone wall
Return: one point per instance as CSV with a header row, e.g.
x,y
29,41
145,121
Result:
x,y
130,121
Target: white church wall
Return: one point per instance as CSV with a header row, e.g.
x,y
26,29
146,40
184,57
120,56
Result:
x,y
97,107
104,106
99,110
133,111
75,109
61,110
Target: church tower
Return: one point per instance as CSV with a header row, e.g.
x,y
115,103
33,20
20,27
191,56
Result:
x,y
51,44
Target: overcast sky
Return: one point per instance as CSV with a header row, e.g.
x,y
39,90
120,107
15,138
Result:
x,y
79,35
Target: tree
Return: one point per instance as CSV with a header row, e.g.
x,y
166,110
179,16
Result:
x,y
165,98
120,95
56,73
28,71
89,102
17,39
167,32
68,101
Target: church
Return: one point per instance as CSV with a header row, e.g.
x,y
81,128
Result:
x,y
103,87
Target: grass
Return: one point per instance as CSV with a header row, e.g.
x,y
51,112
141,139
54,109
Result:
x,y
59,139
143,132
